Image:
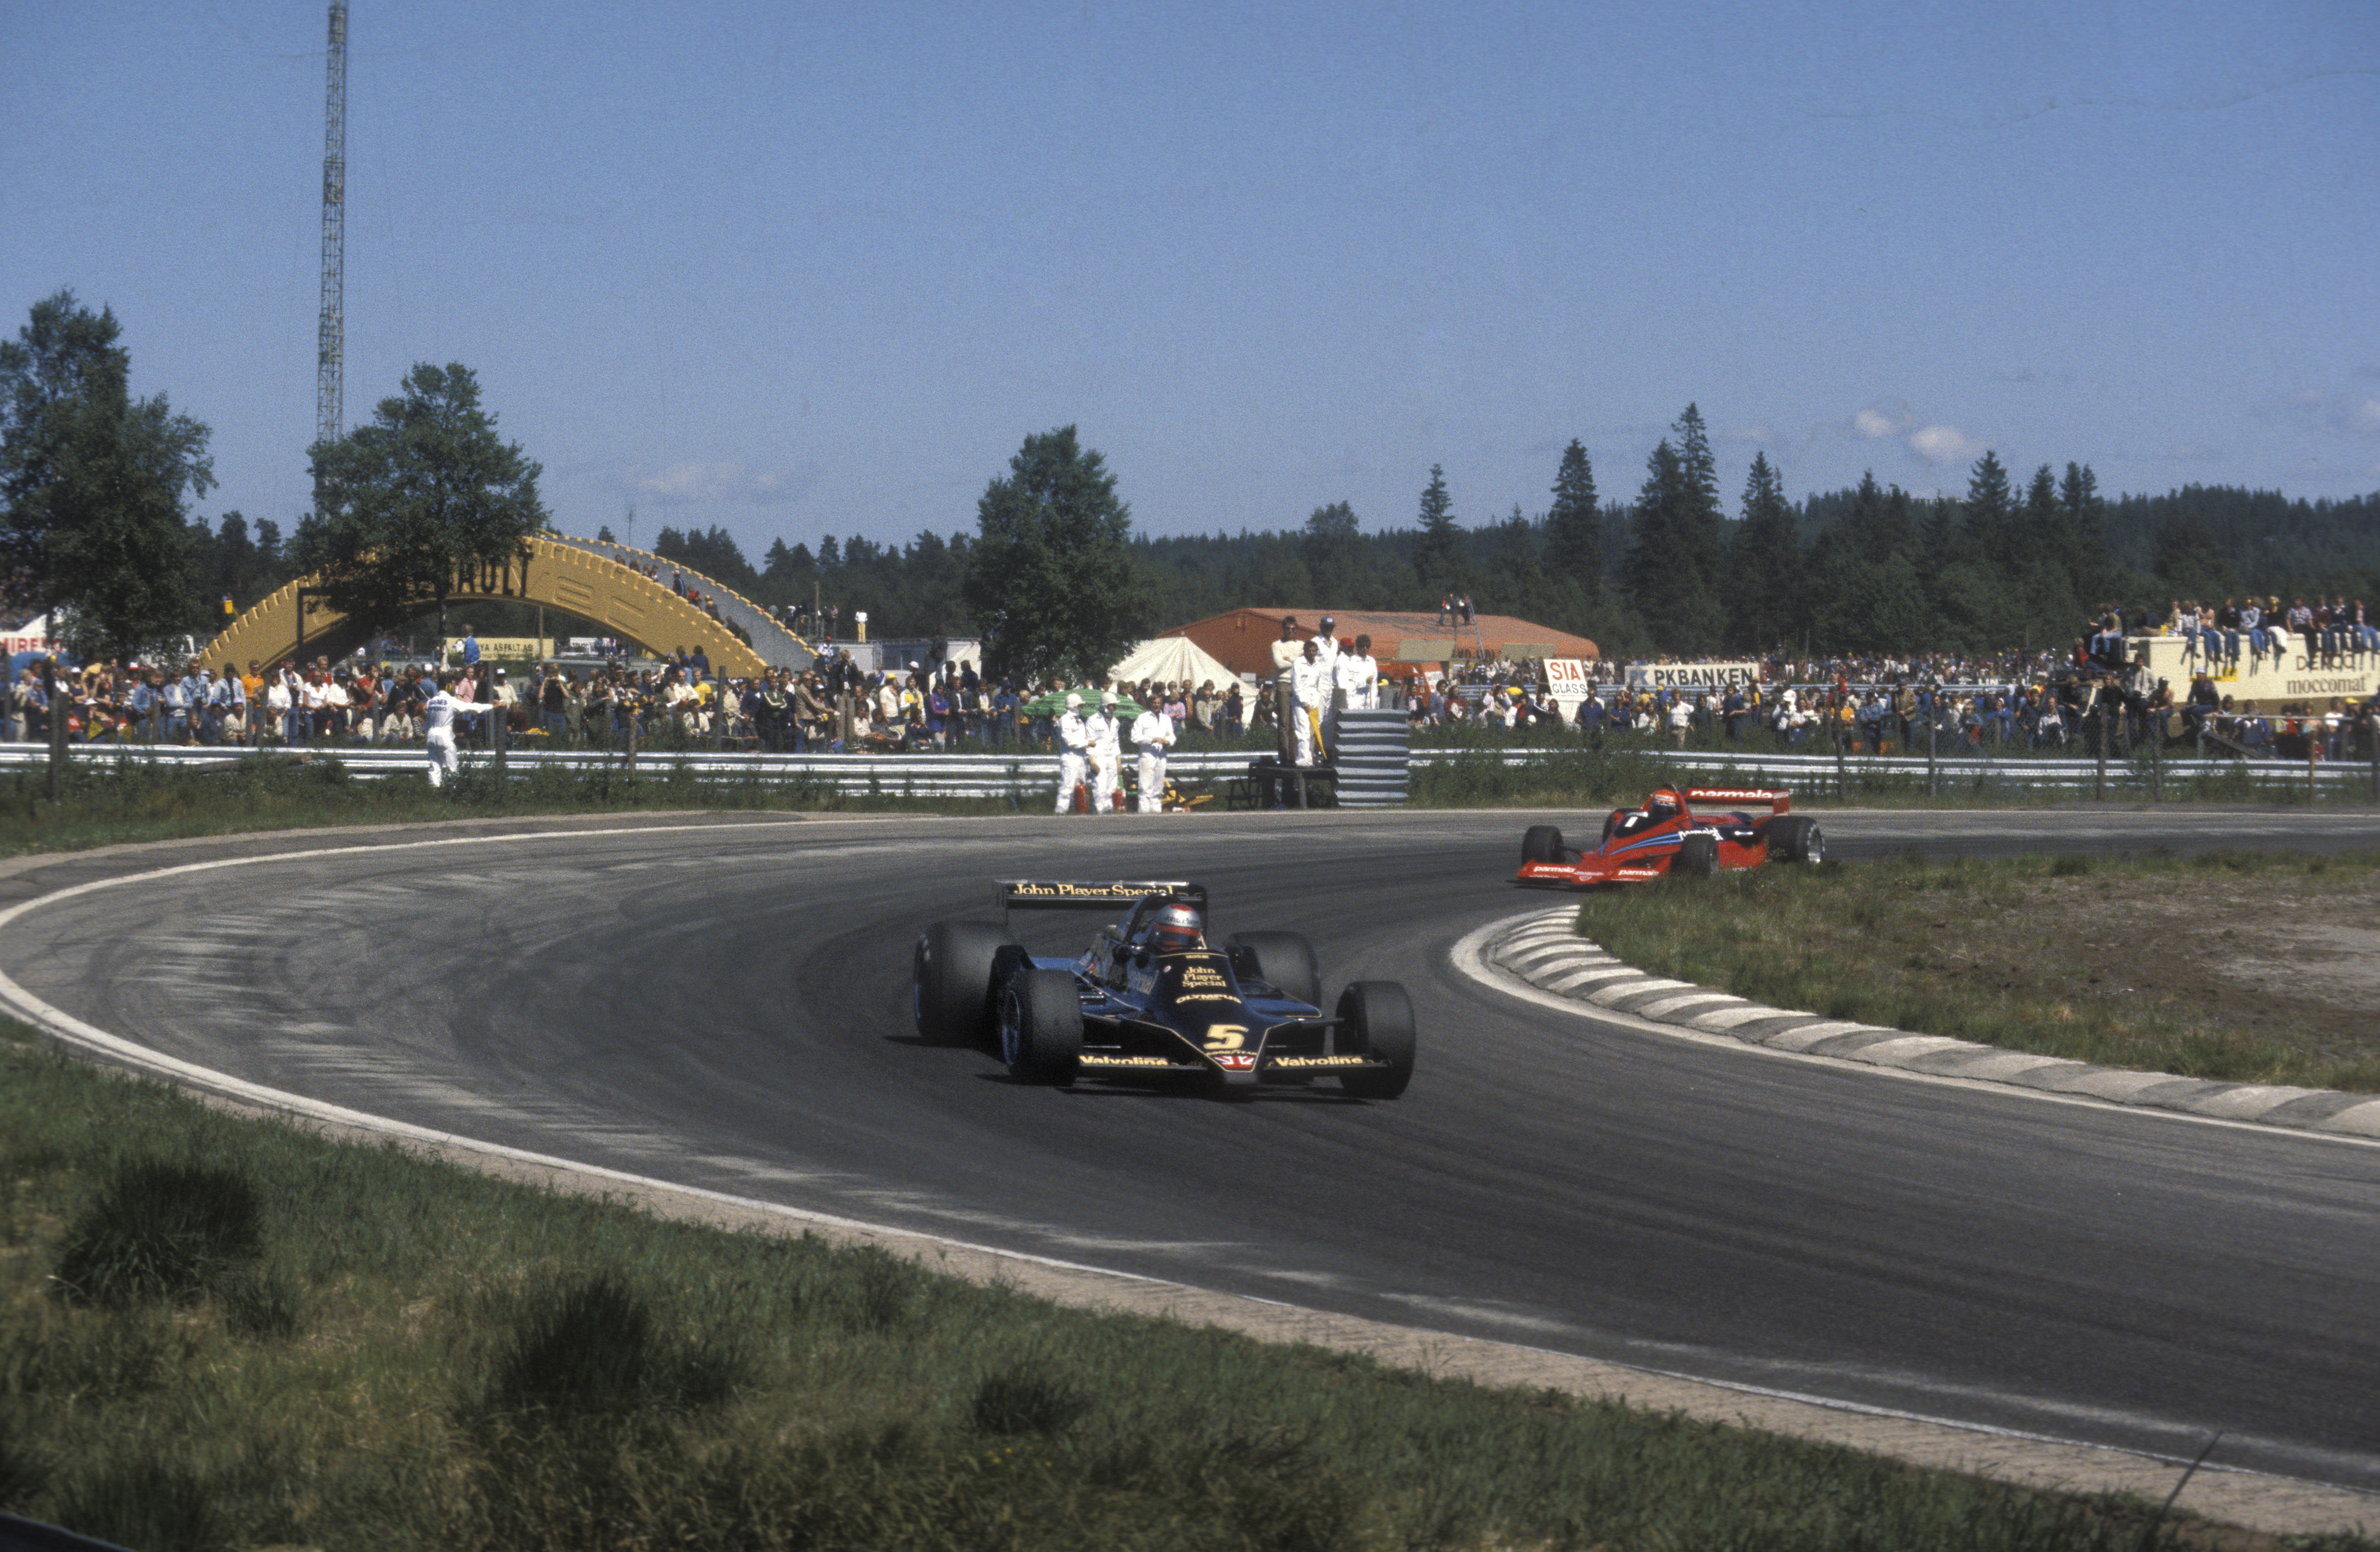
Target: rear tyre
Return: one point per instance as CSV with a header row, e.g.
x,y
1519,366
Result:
x,y
1542,844
1697,855
1796,838
1283,959
1040,1026
951,969
1377,1019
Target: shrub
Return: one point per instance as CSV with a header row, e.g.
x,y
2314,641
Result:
x,y
1026,1401
159,1231
594,1347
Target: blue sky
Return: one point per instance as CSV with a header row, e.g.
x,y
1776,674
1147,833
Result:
x,y
801,269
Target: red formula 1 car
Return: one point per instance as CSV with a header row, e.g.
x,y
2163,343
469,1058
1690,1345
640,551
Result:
x,y
1666,836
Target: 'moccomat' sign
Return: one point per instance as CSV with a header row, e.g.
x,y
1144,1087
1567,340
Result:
x,y
1692,676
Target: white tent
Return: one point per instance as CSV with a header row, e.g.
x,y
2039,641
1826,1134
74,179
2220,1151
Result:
x,y
1170,659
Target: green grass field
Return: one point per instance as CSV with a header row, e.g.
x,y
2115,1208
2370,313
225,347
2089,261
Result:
x,y
218,1332
2029,954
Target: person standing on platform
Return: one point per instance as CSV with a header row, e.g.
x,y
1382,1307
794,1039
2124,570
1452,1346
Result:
x,y
1358,678
1073,752
1286,654
1327,652
1152,734
1107,755
1311,687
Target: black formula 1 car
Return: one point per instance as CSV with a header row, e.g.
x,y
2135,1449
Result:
x,y
1665,835
1145,1003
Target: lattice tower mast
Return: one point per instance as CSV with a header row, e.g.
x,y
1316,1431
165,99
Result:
x,y
334,204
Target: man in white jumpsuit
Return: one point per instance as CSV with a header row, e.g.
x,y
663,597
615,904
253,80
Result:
x,y
1152,732
438,728
1107,755
1328,654
1286,654
1358,680
1073,752
1310,683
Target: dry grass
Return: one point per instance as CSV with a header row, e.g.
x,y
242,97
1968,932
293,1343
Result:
x,y
2208,965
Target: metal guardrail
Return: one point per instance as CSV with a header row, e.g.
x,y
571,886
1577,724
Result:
x,y
1821,773
1031,776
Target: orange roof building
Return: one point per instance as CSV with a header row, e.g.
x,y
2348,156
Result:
x,y
1243,639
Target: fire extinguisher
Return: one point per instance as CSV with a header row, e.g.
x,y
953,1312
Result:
x,y
1082,798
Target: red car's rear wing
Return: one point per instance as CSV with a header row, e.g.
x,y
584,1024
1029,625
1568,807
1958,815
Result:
x,y
1779,801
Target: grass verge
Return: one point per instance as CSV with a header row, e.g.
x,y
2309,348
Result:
x,y
2136,961
305,1342
136,799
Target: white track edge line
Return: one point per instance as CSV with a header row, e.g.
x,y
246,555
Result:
x,y
1470,956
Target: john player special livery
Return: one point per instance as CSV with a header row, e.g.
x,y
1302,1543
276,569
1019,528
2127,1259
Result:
x,y
1150,998
1667,836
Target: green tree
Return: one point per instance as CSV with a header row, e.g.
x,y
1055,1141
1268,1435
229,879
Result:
x,y
712,553
1439,563
1699,504
1574,532
1991,514
91,485
1667,582
1517,575
1763,584
1052,580
2089,562
2190,564
404,504
1332,549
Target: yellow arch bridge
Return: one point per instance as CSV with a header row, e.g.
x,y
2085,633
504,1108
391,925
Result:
x,y
602,583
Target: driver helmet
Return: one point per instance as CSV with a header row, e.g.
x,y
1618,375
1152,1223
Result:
x,y
1177,928
1664,803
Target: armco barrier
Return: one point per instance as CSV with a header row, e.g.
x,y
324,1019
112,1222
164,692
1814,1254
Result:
x,y
1819,774
1027,777
1373,760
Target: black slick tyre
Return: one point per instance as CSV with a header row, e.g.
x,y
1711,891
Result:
x,y
1796,838
951,968
1376,1020
1541,844
1040,1024
1697,855
1283,959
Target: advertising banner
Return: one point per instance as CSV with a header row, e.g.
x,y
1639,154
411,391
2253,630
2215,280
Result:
x,y
1693,676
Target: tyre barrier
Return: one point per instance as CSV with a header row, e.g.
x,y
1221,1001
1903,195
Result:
x,y
1373,749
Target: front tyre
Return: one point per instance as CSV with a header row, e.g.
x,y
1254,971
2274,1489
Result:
x,y
1697,856
1541,844
1796,838
951,969
1283,960
1040,1026
1377,1019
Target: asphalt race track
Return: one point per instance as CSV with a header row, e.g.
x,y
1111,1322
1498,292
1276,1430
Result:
x,y
727,1007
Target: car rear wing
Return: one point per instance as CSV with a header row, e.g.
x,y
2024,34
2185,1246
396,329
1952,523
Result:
x,y
1780,802
1093,894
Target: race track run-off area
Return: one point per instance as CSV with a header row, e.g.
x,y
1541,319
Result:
x,y
726,1006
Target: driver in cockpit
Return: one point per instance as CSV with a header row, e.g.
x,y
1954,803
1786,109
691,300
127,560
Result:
x,y
1665,804
1177,929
